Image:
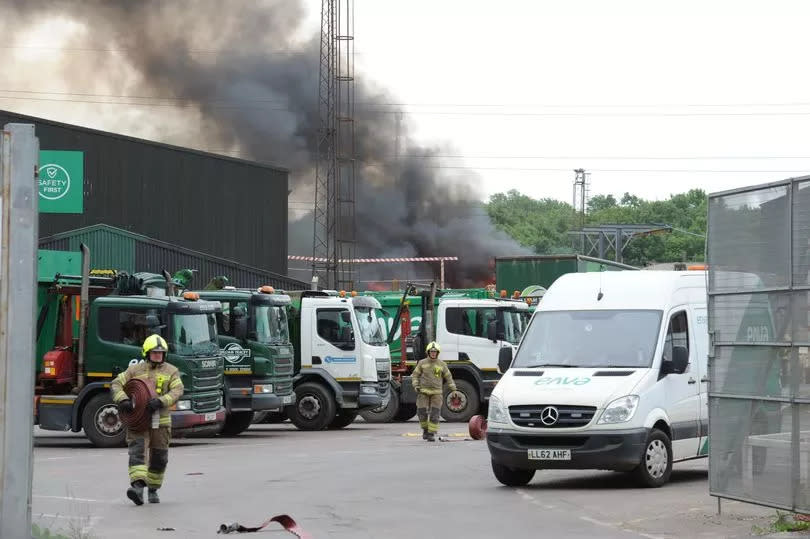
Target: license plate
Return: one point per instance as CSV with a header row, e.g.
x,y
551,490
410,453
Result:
x,y
211,416
549,454
287,399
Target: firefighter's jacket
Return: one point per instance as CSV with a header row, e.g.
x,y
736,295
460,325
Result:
x,y
429,375
165,378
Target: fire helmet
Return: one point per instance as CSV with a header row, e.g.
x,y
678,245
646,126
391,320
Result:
x,y
433,346
154,343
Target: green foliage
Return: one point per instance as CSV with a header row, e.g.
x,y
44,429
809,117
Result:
x,y
783,522
45,533
543,225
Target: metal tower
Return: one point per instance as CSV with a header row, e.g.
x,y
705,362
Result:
x,y
580,202
335,226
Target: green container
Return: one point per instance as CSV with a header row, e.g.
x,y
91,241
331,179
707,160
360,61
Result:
x,y
518,272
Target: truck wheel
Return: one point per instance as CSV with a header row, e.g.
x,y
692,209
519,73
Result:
x,y
315,407
656,461
386,413
405,412
461,405
236,423
343,419
511,477
101,422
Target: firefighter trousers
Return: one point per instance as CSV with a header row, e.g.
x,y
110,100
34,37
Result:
x,y
148,455
428,408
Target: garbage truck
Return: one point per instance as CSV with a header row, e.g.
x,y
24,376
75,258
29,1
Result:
x,y
255,341
90,328
342,360
470,326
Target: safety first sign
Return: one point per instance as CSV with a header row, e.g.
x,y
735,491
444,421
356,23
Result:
x,y
61,181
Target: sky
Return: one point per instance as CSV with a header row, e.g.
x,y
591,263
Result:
x,y
649,97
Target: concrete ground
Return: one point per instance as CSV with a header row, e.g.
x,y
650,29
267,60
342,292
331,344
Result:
x,y
365,481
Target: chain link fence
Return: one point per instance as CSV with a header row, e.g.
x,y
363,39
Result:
x,y
758,252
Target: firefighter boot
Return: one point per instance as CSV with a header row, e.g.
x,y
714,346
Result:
x,y
153,496
430,437
135,492
424,434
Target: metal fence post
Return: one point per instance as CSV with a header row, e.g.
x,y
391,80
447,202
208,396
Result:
x,y
19,225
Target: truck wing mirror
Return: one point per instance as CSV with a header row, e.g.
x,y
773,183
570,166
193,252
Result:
x,y
504,359
492,331
240,330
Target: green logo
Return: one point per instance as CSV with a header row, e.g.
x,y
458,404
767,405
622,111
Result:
x,y
61,181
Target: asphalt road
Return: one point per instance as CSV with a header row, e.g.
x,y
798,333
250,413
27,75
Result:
x,y
365,481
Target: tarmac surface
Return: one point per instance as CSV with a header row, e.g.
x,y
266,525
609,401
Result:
x,y
368,480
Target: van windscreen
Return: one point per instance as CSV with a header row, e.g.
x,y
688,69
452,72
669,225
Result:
x,y
616,338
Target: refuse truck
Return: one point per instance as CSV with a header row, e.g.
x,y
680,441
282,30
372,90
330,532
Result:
x,y
342,361
517,273
255,341
90,328
470,326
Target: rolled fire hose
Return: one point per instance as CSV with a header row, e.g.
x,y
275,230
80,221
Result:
x,y
285,520
478,427
140,392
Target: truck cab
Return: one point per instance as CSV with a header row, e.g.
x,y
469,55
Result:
x,y
255,341
116,329
611,374
342,359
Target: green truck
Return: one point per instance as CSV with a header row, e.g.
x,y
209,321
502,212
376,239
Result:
x,y
517,273
90,328
255,341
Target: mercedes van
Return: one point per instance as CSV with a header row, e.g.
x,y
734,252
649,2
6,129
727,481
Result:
x,y
611,374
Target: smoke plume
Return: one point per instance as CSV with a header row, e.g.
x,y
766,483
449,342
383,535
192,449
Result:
x,y
238,76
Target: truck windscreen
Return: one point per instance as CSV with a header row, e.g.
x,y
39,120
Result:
x,y
271,325
372,325
193,334
616,338
514,325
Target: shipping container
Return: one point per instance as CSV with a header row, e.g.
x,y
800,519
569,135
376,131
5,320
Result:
x,y
518,272
229,208
116,249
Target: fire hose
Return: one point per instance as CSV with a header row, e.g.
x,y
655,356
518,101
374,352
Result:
x,y
140,392
285,520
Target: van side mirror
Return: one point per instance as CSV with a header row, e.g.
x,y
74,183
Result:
x,y
679,362
504,359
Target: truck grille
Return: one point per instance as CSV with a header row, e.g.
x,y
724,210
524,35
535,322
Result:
x,y
205,403
383,376
551,416
283,387
208,379
283,366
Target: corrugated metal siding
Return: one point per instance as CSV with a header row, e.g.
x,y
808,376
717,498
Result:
x,y
230,208
113,248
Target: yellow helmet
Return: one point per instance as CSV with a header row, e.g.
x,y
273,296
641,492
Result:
x,y
154,343
433,346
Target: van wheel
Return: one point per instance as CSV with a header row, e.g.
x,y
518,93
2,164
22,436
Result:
x,y
236,423
386,413
315,407
656,461
461,405
101,422
511,477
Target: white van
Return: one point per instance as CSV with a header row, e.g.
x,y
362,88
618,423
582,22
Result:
x,y
611,374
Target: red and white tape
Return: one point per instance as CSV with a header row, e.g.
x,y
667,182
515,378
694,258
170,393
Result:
x,y
378,260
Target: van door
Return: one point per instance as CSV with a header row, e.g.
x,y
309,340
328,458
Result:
x,y
700,336
681,391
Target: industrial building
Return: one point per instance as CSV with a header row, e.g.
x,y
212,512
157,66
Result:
x,y
227,208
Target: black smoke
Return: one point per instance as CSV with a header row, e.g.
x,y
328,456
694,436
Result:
x,y
249,83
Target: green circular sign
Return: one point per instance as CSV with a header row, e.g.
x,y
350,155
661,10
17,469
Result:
x,y
54,181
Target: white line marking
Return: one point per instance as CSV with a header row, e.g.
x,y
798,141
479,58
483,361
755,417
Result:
x,y
70,498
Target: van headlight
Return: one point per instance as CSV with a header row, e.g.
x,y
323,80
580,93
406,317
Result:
x,y
497,411
620,410
184,405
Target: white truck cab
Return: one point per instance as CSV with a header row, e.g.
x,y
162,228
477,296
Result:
x,y
345,364
611,374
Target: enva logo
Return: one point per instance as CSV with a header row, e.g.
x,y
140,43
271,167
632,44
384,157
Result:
x,y
234,353
563,381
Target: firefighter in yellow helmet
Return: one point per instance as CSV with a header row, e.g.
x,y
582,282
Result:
x,y
168,387
428,377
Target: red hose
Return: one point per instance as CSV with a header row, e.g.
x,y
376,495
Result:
x,y
478,427
140,392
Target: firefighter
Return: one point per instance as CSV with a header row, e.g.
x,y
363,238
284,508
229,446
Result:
x,y
428,376
168,387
